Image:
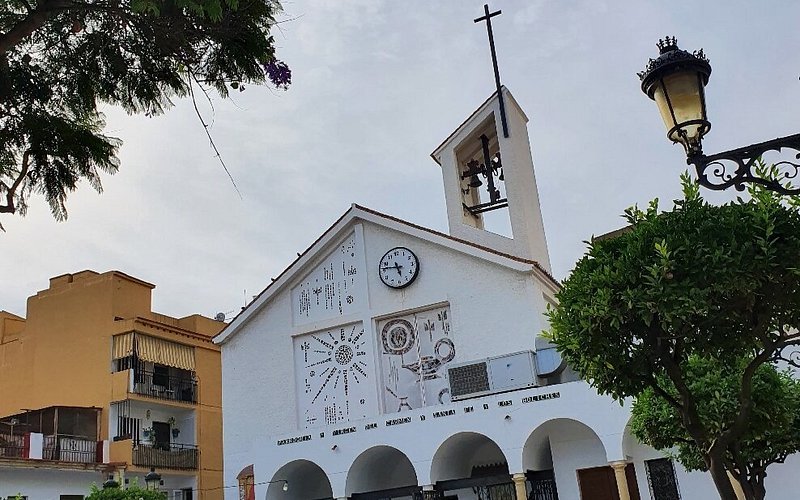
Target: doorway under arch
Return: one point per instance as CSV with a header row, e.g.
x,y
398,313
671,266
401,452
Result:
x,y
304,480
471,465
381,472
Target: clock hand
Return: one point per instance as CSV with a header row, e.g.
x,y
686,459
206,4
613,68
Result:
x,y
396,266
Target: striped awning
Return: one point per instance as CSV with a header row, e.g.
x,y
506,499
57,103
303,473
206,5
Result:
x,y
165,352
123,345
153,349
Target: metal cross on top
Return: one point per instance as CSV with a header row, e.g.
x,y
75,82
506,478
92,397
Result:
x,y
488,18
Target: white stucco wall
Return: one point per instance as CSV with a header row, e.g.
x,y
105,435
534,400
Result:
x,y
494,310
46,484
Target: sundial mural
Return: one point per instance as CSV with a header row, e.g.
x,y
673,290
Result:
x,y
335,373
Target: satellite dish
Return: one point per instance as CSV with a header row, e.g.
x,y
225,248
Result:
x,y
220,316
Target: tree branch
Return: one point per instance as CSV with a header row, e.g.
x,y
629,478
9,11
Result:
x,y
689,415
669,398
739,425
208,134
32,22
9,207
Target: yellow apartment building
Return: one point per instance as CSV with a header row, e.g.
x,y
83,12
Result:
x,y
92,383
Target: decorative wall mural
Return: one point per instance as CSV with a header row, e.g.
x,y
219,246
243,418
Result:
x,y
415,351
335,288
335,375
398,337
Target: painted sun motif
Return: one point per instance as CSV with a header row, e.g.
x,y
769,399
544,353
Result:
x,y
334,366
338,359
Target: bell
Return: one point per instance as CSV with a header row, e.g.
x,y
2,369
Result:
x,y
501,177
474,181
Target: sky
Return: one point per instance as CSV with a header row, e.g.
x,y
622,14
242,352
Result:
x,y
377,85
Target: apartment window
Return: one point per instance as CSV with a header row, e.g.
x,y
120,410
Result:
x,y
122,364
662,479
127,427
70,497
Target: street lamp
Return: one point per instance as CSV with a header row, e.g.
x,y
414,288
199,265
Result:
x,y
285,486
110,483
676,81
152,479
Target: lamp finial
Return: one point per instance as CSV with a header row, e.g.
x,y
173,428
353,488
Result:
x,y
667,44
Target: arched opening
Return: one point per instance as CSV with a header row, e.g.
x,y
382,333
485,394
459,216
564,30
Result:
x,y
381,472
247,483
564,458
471,466
299,480
655,470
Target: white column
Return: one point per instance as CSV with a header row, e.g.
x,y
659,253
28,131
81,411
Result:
x,y
622,480
519,486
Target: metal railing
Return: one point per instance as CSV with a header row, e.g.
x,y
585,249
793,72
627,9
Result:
x,y
165,456
13,446
67,448
162,386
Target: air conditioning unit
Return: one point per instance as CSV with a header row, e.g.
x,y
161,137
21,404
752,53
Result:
x,y
492,375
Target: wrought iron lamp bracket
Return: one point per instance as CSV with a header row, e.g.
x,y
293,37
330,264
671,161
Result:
x,y
716,172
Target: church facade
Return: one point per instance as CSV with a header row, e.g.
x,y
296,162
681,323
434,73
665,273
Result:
x,y
391,361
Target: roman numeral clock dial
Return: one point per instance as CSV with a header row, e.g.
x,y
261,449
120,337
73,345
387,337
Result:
x,y
398,268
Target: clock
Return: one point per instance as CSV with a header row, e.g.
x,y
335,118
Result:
x,y
398,268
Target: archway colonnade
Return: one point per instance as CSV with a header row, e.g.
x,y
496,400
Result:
x,y
467,464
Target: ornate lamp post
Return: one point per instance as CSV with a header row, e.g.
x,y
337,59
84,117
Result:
x,y
152,479
110,483
676,81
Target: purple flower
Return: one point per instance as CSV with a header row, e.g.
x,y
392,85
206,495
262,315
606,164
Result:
x,y
278,73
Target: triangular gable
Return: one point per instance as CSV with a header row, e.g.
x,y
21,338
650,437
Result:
x,y
346,223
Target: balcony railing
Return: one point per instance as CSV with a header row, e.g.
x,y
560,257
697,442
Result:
x,y
72,449
162,386
165,456
13,446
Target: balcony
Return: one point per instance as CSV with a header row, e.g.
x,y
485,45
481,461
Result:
x,y
57,433
161,385
165,456
72,449
13,446
60,448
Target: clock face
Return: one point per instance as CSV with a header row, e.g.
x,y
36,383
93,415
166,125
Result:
x,y
398,267
335,373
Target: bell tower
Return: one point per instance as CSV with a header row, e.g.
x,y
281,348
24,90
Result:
x,y
487,166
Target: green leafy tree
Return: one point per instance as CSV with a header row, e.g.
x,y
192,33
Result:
x,y
60,58
772,432
133,492
716,283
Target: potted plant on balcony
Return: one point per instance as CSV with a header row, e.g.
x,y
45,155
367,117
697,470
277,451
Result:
x,y
175,431
149,435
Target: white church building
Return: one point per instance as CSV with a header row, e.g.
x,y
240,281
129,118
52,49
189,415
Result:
x,y
391,361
